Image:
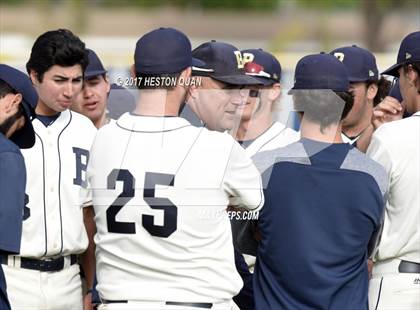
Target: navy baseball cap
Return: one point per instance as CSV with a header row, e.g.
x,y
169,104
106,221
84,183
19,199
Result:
x,y
409,52
360,63
262,66
163,50
20,82
321,71
223,62
94,67
395,91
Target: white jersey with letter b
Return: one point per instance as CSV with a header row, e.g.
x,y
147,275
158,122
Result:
x,y
160,192
56,172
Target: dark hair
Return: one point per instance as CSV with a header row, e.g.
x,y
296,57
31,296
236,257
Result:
x,y
166,81
323,107
5,89
58,47
384,86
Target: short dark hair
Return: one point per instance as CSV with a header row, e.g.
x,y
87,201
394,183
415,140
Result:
x,y
384,86
143,79
416,66
322,107
5,89
57,47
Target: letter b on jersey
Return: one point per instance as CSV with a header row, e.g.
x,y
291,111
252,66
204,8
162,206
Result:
x,y
82,158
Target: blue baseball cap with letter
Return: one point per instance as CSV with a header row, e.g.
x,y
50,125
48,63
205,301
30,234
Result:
x,y
321,71
20,82
163,51
409,52
222,62
262,66
360,63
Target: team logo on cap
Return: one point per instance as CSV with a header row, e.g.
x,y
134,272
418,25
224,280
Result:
x,y
407,55
239,59
339,56
247,57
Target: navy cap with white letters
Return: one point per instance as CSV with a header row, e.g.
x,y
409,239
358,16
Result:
x,y
223,62
262,65
360,63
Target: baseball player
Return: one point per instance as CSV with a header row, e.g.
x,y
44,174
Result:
x,y
160,191
92,101
395,145
46,275
216,96
17,103
324,203
258,131
368,89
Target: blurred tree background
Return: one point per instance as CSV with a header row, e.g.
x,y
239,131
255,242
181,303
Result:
x,y
293,19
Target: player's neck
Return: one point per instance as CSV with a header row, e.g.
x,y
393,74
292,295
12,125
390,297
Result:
x,y
312,131
103,120
157,103
44,110
253,128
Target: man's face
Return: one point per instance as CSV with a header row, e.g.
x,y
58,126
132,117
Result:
x,y
59,87
92,100
252,103
359,91
217,104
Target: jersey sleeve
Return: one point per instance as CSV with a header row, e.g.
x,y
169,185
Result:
x,y
12,200
378,152
243,181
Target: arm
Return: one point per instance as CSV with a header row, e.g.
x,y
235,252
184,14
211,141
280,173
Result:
x,y
388,110
88,257
242,181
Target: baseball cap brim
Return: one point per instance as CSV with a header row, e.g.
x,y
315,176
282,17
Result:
x,y
25,136
237,79
393,70
197,63
91,74
265,81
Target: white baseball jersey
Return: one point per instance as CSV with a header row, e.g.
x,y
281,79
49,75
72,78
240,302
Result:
x,y
277,135
56,170
160,191
395,146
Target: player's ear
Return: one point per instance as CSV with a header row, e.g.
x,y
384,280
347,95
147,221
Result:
x,y
34,77
108,86
274,92
11,103
133,71
372,90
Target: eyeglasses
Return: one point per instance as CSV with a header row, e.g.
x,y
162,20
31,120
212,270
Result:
x,y
254,69
254,93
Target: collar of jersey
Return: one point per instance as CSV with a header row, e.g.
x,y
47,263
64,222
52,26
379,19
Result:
x,y
138,123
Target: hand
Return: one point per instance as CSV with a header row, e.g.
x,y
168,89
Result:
x,y
87,302
370,267
388,110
